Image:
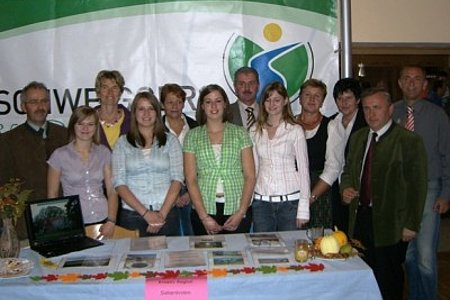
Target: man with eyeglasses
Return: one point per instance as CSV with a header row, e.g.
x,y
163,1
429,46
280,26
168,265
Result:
x,y
431,123
25,149
244,111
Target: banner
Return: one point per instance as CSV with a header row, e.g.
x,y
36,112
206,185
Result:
x,y
64,44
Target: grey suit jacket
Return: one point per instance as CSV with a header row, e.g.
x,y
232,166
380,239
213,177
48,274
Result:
x,y
236,114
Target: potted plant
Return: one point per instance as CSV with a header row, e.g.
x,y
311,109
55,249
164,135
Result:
x,y
12,204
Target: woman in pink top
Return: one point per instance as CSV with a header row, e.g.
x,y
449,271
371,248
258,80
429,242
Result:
x,y
282,191
83,167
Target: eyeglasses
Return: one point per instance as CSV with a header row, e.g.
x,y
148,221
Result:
x,y
37,101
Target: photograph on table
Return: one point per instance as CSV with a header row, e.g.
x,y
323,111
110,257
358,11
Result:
x,y
227,258
265,240
86,262
185,259
207,242
148,243
280,256
139,261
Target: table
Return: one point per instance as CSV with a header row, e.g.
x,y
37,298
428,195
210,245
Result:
x,y
349,279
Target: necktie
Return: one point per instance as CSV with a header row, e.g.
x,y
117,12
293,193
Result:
x,y
40,132
250,117
409,124
365,196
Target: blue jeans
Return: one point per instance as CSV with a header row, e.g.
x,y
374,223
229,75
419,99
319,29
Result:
x,y
184,214
130,219
421,257
274,216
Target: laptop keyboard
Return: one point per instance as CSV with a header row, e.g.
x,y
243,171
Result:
x,y
69,246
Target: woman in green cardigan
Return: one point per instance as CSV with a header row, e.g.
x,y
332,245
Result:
x,y
219,168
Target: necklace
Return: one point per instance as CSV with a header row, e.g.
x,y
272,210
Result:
x,y
309,125
114,119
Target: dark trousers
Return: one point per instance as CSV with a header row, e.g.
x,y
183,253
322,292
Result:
x,y
199,229
339,211
386,262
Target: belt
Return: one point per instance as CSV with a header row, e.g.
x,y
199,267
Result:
x,y
278,198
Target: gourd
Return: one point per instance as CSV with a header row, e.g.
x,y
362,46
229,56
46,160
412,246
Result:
x,y
340,236
329,244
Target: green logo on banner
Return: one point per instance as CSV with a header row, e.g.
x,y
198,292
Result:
x,y
290,64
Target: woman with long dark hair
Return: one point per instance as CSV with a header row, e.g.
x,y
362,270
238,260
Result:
x,y
219,168
148,171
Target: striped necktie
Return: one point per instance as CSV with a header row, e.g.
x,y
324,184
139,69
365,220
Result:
x,y
409,124
250,117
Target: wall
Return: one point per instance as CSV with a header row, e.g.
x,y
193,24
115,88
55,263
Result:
x,y
401,21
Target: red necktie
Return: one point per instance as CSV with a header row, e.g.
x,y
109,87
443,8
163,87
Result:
x,y
365,196
409,124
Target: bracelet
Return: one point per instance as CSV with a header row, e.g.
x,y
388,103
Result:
x,y
314,197
111,220
146,211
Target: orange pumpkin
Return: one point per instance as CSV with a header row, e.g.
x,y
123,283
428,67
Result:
x,y
340,236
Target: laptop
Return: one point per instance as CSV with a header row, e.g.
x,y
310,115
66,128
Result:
x,y
55,226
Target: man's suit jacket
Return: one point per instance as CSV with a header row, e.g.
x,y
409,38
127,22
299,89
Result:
x,y
236,114
24,155
399,182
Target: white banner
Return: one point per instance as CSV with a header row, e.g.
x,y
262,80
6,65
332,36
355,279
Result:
x,y
192,43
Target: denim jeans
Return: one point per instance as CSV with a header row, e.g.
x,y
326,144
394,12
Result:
x,y
184,216
130,219
421,257
274,216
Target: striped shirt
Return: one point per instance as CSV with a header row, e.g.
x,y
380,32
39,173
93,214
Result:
x,y
276,160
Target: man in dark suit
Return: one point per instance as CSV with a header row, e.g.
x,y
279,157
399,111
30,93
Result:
x,y
25,149
244,111
385,184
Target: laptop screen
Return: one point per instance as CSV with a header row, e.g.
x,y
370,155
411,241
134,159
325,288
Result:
x,y
54,220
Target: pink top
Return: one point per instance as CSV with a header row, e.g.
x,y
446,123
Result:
x,y
84,178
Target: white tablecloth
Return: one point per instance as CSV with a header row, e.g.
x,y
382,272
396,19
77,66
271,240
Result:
x,y
349,279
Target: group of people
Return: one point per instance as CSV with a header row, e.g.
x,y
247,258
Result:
x,y
376,170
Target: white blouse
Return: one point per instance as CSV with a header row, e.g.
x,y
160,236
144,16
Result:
x,y
338,136
276,160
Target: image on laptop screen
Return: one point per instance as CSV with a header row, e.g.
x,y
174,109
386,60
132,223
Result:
x,y
56,219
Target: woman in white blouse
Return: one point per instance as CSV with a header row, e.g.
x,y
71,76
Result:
x,y
282,191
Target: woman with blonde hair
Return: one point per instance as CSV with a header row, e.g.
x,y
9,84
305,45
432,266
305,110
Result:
x,y
148,171
281,198
114,117
83,167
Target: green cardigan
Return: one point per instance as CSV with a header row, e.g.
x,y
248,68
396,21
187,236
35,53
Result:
x,y
399,182
229,168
